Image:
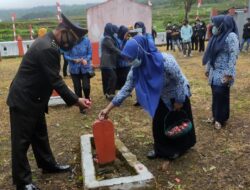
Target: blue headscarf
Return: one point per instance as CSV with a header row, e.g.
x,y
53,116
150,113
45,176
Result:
x,y
140,25
149,75
216,43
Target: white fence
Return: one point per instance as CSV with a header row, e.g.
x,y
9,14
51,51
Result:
x,y
10,48
161,38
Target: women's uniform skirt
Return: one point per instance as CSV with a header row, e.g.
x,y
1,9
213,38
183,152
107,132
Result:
x,y
166,147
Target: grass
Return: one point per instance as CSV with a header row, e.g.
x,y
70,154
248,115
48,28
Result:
x,y
219,160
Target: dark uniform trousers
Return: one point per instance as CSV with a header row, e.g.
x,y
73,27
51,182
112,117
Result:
x,y
26,131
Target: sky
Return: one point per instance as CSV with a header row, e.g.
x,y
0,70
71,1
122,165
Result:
x,y
8,4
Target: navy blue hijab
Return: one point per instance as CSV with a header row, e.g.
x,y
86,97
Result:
x,y
149,76
140,25
216,43
109,30
115,28
121,32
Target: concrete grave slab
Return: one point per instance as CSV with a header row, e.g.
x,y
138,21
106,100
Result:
x,y
142,180
56,101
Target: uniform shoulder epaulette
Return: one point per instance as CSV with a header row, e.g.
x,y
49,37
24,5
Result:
x,y
54,45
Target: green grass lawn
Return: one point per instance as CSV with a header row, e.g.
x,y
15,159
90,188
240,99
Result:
x,y
218,161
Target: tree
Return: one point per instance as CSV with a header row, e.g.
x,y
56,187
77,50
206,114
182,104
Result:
x,y
187,6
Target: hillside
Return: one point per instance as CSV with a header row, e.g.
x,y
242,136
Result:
x,y
45,16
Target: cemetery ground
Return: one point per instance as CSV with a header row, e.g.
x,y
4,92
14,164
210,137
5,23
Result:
x,y
219,160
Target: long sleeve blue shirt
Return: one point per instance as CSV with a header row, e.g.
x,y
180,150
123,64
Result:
x,y
225,62
81,50
186,33
176,86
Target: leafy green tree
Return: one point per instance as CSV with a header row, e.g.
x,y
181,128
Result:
x,y
187,5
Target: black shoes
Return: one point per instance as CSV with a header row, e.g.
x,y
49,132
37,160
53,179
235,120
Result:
x,y
27,187
57,169
152,155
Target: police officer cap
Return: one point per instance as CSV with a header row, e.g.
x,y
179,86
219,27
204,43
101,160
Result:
x,y
78,31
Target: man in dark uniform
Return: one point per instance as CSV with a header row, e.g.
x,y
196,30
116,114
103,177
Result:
x,y
28,99
246,36
168,36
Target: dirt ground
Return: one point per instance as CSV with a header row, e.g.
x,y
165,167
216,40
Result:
x,y
219,160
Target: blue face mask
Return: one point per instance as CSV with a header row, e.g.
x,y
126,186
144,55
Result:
x,y
115,35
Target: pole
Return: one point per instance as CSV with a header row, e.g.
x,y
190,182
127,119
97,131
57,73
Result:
x,y
13,17
199,2
31,32
58,7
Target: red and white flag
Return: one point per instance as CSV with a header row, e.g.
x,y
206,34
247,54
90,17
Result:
x,y
199,3
58,7
13,18
31,32
59,10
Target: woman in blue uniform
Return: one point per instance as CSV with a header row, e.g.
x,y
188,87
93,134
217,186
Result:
x,y
79,60
220,60
160,87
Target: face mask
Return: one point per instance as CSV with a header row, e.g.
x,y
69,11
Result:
x,y
115,35
67,41
215,31
136,63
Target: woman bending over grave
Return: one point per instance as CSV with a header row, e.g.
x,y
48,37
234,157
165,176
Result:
x,y
162,90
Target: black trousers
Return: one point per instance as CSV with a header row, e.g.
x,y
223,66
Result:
x,y
220,103
195,42
65,65
109,80
169,43
81,83
167,147
26,130
201,45
122,74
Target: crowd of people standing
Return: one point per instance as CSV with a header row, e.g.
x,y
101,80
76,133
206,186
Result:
x,y
185,37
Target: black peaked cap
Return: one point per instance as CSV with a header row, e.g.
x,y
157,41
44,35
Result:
x,y
79,31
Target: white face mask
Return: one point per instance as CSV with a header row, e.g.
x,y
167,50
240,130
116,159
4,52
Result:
x,y
136,62
215,31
